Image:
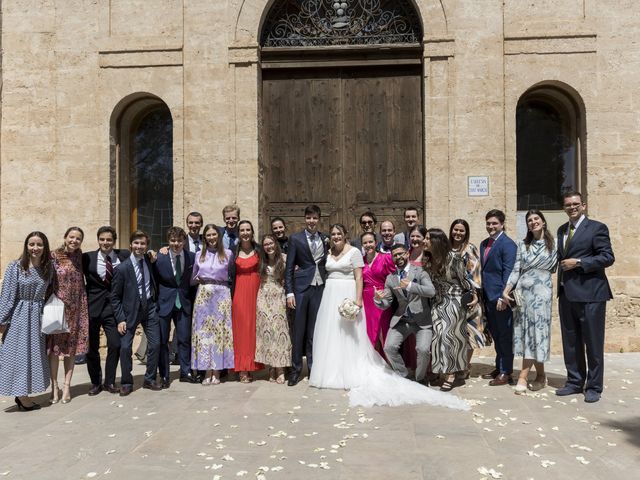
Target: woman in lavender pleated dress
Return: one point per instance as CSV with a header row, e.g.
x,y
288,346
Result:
x,y
212,338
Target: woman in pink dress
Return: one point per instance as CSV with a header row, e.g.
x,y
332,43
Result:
x,y
69,287
374,273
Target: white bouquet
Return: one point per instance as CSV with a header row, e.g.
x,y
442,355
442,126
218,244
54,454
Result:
x,y
348,309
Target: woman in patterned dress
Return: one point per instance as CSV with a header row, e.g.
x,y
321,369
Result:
x,y
69,287
273,343
212,337
245,281
23,358
450,340
459,234
531,278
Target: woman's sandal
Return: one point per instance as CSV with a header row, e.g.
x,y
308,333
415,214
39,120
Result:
x,y
448,385
272,375
280,379
245,378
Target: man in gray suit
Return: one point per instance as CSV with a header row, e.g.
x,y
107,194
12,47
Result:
x,y
412,288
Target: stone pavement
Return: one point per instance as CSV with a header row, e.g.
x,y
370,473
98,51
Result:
x,y
270,431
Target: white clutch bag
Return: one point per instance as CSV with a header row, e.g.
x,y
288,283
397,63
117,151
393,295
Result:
x,y
53,320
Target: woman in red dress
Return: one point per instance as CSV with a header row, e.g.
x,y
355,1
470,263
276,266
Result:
x,y
245,279
376,268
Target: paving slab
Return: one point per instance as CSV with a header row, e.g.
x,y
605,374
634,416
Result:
x,y
268,431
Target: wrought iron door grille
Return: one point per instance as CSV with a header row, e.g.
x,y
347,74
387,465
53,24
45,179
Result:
x,y
320,23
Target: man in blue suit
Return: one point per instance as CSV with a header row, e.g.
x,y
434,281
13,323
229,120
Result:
x,y
172,271
498,256
304,283
133,299
584,251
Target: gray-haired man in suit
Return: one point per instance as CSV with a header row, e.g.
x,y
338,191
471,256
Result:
x,y
412,288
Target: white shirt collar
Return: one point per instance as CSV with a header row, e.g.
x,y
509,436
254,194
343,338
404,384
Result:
x,y
577,224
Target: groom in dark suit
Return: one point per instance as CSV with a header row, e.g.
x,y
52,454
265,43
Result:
x,y
304,283
584,251
98,267
133,299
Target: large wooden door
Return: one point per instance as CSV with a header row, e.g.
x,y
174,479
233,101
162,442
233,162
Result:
x,y
346,139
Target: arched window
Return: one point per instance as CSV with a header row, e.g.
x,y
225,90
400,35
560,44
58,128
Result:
x,y
144,161
549,138
322,23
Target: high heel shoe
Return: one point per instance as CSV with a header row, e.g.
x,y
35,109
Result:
x,y
520,389
66,399
55,393
29,408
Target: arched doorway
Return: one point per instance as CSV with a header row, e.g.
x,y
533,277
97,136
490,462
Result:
x,y
551,151
342,110
142,133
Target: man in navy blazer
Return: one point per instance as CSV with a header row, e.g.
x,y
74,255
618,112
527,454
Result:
x,y
498,256
133,299
172,272
584,251
304,283
98,267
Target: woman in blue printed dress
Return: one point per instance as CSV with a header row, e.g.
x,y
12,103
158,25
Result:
x,y
24,367
531,279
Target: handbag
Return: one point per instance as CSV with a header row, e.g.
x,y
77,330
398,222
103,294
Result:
x,y
518,301
53,320
467,298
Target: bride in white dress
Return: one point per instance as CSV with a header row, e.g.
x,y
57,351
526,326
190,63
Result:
x,y
343,357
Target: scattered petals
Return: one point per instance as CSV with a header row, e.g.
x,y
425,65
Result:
x,y
489,471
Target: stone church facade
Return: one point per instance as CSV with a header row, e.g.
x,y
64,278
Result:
x,y
136,112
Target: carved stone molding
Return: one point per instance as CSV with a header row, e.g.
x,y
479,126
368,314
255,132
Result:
x,y
552,44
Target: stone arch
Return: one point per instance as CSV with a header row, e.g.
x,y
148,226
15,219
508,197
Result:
x,y
559,111
251,15
141,132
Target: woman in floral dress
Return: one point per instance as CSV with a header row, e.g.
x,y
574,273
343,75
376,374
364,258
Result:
x,y
69,287
212,337
531,278
273,343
